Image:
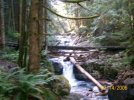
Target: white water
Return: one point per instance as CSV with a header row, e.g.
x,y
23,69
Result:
x,y
68,73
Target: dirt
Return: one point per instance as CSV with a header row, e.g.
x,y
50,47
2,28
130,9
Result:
x,y
6,65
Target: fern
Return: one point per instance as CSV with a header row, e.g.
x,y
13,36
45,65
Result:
x,y
21,85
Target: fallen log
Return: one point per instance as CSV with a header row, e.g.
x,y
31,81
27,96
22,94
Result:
x,y
102,88
85,48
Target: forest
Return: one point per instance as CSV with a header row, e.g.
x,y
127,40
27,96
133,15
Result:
x,y
66,50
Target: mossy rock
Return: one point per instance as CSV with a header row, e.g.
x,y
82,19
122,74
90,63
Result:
x,y
110,73
73,96
102,69
61,86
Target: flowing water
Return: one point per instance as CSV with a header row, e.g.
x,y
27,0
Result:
x,y
87,89
68,73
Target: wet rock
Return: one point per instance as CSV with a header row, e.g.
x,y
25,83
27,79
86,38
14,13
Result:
x,y
94,97
58,68
78,75
100,69
129,81
81,77
92,68
61,86
96,89
73,96
126,79
121,94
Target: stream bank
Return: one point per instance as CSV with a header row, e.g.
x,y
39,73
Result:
x,y
105,66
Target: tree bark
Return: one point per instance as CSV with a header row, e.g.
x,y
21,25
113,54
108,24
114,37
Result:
x,y
2,26
34,37
23,30
22,40
45,23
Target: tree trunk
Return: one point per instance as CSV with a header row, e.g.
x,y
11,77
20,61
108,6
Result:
x,y
2,26
23,26
45,23
34,37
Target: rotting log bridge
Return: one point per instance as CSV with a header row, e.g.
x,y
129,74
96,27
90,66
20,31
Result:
x,y
85,48
82,48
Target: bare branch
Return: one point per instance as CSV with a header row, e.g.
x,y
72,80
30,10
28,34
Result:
x,y
83,7
72,18
73,1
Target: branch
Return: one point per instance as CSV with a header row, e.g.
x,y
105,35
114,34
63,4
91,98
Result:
x,y
83,7
73,1
72,18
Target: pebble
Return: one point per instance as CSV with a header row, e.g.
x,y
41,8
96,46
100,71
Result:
x,y
96,89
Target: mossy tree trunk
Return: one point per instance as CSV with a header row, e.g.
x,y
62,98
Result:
x,y
2,29
35,36
23,30
45,22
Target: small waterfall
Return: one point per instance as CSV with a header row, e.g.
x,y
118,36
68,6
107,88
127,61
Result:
x,y
68,73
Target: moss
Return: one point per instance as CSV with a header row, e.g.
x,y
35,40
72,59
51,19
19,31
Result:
x,y
110,73
106,72
61,86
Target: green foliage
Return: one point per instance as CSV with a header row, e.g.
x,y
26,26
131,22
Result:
x,y
45,63
9,54
19,85
112,39
12,35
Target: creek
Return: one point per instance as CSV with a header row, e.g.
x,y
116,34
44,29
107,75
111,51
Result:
x,y
83,90
86,89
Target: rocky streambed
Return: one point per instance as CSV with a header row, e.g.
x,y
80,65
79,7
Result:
x,y
105,67
80,89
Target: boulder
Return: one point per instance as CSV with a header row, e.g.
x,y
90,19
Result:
x,y
124,79
89,69
73,96
78,75
121,94
58,68
129,81
61,86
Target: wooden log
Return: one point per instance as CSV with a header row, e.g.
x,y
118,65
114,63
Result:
x,y
102,88
85,48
